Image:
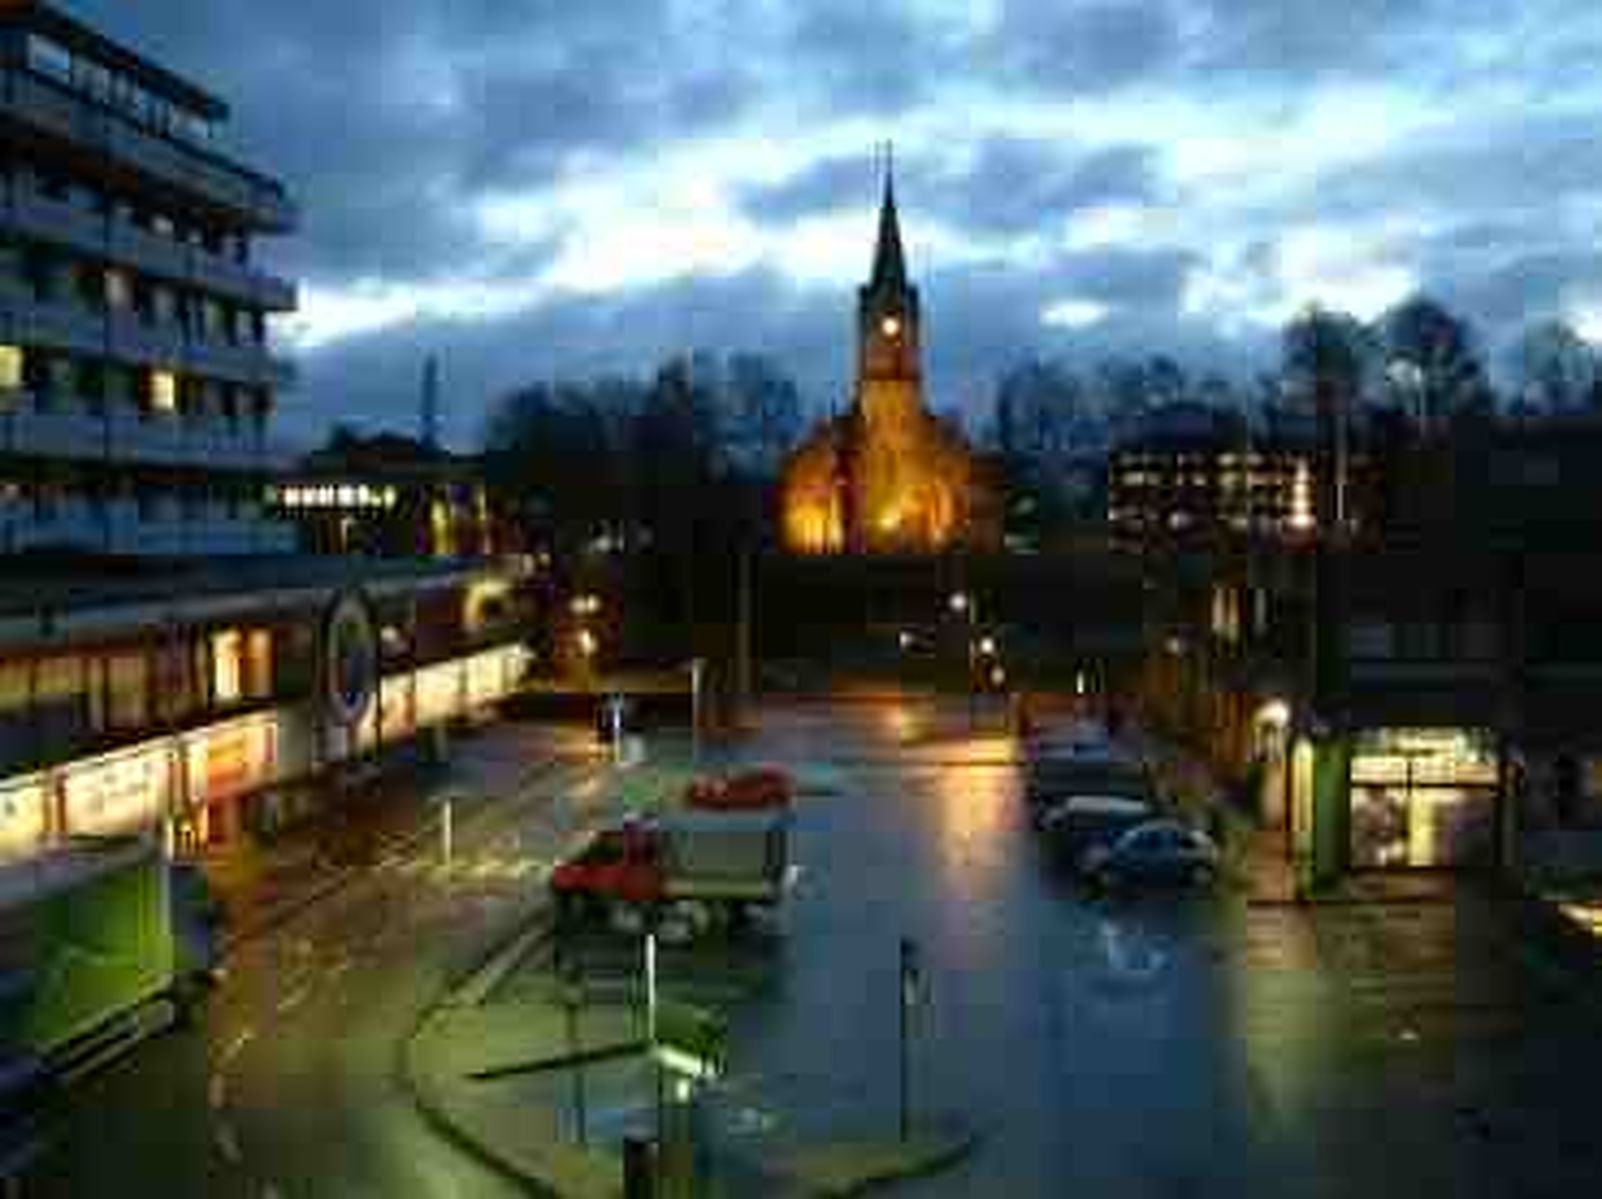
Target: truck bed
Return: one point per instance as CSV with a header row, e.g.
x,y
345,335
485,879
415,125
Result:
x,y
725,855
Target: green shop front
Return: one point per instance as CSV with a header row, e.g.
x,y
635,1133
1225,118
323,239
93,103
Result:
x,y
1393,798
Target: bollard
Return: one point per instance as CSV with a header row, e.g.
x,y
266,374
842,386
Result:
x,y
639,1168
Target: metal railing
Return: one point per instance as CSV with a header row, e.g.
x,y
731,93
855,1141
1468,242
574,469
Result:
x,y
54,109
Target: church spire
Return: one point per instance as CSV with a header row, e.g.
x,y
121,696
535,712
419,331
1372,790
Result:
x,y
889,264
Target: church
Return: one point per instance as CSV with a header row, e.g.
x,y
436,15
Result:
x,y
888,476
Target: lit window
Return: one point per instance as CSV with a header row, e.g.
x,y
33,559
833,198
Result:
x,y
891,326
163,391
119,290
227,667
10,368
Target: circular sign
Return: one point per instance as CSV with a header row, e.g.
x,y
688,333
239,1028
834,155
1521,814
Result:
x,y
350,659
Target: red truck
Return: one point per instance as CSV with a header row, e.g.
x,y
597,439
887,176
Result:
x,y
716,861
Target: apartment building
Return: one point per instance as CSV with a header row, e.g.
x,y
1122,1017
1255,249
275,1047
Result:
x,y
137,381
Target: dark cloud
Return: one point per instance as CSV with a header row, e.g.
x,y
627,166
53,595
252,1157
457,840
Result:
x,y
1015,184
1150,279
1007,186
391,119
1085,48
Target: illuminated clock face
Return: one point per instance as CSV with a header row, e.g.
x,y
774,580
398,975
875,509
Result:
x,y
891,326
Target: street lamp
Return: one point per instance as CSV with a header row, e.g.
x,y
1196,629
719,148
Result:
x,y
987,646
964,604
573,1003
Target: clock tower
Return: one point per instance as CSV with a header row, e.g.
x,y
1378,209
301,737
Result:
x,y
888,476
889,366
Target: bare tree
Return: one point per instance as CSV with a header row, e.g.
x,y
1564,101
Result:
x,y
1554,369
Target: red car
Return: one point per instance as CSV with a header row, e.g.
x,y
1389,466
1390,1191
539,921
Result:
x,y
764,787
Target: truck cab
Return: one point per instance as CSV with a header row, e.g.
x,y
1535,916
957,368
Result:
x,y
620,864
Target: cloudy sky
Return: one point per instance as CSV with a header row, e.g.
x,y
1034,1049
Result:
x,y
547,187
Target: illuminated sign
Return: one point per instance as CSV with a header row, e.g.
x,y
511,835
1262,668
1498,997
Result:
x,y
22,815
350,659
395,706
231,759
439,693
120,793
1424,757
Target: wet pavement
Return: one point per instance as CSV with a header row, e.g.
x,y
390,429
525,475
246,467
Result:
x,y
1165,1046
1159,1046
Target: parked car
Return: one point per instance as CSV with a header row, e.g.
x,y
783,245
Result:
x,y
1080,822
1158,851
1052,778
762,787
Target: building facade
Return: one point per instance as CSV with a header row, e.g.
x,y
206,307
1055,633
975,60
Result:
x,y
137,385
169,661
888,476
393,496
1198,475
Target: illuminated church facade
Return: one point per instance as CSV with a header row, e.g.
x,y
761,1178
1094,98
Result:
x,y
887,476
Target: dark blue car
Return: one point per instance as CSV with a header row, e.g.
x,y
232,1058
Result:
x,y
1159,852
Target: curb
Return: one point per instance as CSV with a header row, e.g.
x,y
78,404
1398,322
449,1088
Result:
x,y
433,1113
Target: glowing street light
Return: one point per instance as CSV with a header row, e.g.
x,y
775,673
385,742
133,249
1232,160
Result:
x,y
904,639
587,644
586,604
960,602
987,646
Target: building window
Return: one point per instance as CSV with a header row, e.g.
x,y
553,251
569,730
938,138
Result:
x,y
92,385
127,691
259,664
49,58
11,368
227,667
163,391
119,289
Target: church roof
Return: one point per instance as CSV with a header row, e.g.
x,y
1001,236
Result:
x,y
889,263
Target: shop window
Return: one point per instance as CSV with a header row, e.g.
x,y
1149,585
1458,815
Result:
x,y
128,691
59,679
259,664
227,667
175,683
14,688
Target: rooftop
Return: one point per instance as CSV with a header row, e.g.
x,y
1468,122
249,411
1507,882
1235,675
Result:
x,y
47,588
73,35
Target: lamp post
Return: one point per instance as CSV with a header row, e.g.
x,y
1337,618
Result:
x,y
697,667
573,1001
967,605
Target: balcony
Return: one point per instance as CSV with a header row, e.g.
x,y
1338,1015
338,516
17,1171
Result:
x,y
37,216
70,522
153,253
70,433
134,340
62,324
53,109
219,273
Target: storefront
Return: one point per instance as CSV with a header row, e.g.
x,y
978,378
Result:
x,y
1422,798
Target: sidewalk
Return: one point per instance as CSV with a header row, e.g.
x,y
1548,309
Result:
x,y
494,1066
1259,858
